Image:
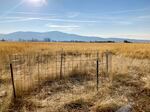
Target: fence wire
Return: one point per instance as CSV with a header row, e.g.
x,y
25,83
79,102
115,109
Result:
x,y
43,74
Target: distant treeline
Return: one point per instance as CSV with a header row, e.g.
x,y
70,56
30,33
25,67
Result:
x,y
49,40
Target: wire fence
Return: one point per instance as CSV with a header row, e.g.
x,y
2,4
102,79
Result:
x,y
28,72
51,76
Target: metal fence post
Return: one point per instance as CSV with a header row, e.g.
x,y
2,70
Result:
x,y
97,70
61,63
12,79
107,66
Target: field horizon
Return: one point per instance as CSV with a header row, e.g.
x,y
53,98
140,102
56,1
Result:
x,y
59,36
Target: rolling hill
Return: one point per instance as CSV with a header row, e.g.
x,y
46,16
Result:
x,y
58,36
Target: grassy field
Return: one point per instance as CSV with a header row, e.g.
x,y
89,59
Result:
x,y
134,50
130,85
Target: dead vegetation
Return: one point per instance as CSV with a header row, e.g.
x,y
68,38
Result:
x,y
76,92
134,50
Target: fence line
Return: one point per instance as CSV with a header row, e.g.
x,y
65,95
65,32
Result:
x,y
30,71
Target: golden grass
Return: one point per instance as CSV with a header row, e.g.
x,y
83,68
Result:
x,y
129,86
134,50
130,69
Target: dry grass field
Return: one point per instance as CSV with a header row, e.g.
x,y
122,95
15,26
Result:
x,y
134,50
129,88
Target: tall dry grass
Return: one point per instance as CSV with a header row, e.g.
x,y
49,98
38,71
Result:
x,y
134,50
130,65
130,86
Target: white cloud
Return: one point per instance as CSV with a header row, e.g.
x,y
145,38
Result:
x,y
13,20
33,13
66,20
19,19
144,17
138,36
130,36
62,26
124,22
129,11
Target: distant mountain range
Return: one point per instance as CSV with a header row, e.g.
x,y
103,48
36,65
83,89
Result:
x,y
58,36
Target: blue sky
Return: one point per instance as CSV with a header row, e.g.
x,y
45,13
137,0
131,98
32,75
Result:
x,y
104,18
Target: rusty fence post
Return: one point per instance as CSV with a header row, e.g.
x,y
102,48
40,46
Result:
x,y
12,79
97,71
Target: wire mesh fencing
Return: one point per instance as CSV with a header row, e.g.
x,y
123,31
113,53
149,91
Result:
x,y
32,71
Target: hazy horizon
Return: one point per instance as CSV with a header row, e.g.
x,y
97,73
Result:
x,y
72,34
100,18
